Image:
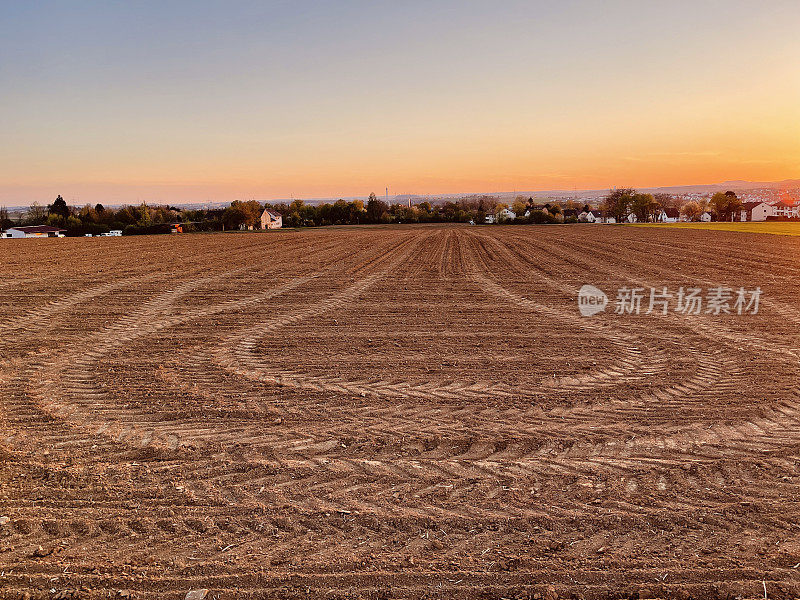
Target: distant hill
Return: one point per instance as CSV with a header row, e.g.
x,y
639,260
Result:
x,y
709,188
786,184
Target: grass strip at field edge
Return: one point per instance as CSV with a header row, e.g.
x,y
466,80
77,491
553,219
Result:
x,y
770,228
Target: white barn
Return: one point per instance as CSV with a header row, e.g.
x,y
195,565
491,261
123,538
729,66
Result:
x,y
33,231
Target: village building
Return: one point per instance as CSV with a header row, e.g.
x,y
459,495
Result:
x,y
506,215
545,208
33,231
271,220
781,209
668,215
756,211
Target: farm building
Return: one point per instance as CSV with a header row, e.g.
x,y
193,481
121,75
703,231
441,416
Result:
x,y
271,220
33,231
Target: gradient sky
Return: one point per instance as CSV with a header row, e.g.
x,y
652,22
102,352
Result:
x,y
197,101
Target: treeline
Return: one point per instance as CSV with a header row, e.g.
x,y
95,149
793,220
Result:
x,y
623,202
95,219
375,211
144,218
133,220
473,209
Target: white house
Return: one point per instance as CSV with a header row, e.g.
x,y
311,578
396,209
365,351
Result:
x,y
271,220
631,218
588,216
705,217
784,210
33,231
668,215
506,215
756,211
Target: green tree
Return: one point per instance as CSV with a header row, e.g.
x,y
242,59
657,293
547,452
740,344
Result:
x,y
724,205
519,206
645,207
376,209
618,203
59,207
243,213
144,218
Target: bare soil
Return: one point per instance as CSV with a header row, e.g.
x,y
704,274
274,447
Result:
x,y
399,412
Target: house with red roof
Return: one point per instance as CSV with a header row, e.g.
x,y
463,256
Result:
x,y
33,231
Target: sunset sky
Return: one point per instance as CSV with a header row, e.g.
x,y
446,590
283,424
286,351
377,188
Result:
x,y
212,101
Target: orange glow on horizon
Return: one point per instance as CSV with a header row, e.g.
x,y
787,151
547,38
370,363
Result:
x,y
315,111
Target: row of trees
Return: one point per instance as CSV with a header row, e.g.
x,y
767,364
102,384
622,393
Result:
x,y
341,212
723,206
620,203
143,218
93,219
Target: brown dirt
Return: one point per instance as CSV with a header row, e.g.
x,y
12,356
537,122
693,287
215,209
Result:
x,y
396,412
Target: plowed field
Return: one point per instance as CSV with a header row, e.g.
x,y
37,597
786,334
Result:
x,y
397,412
